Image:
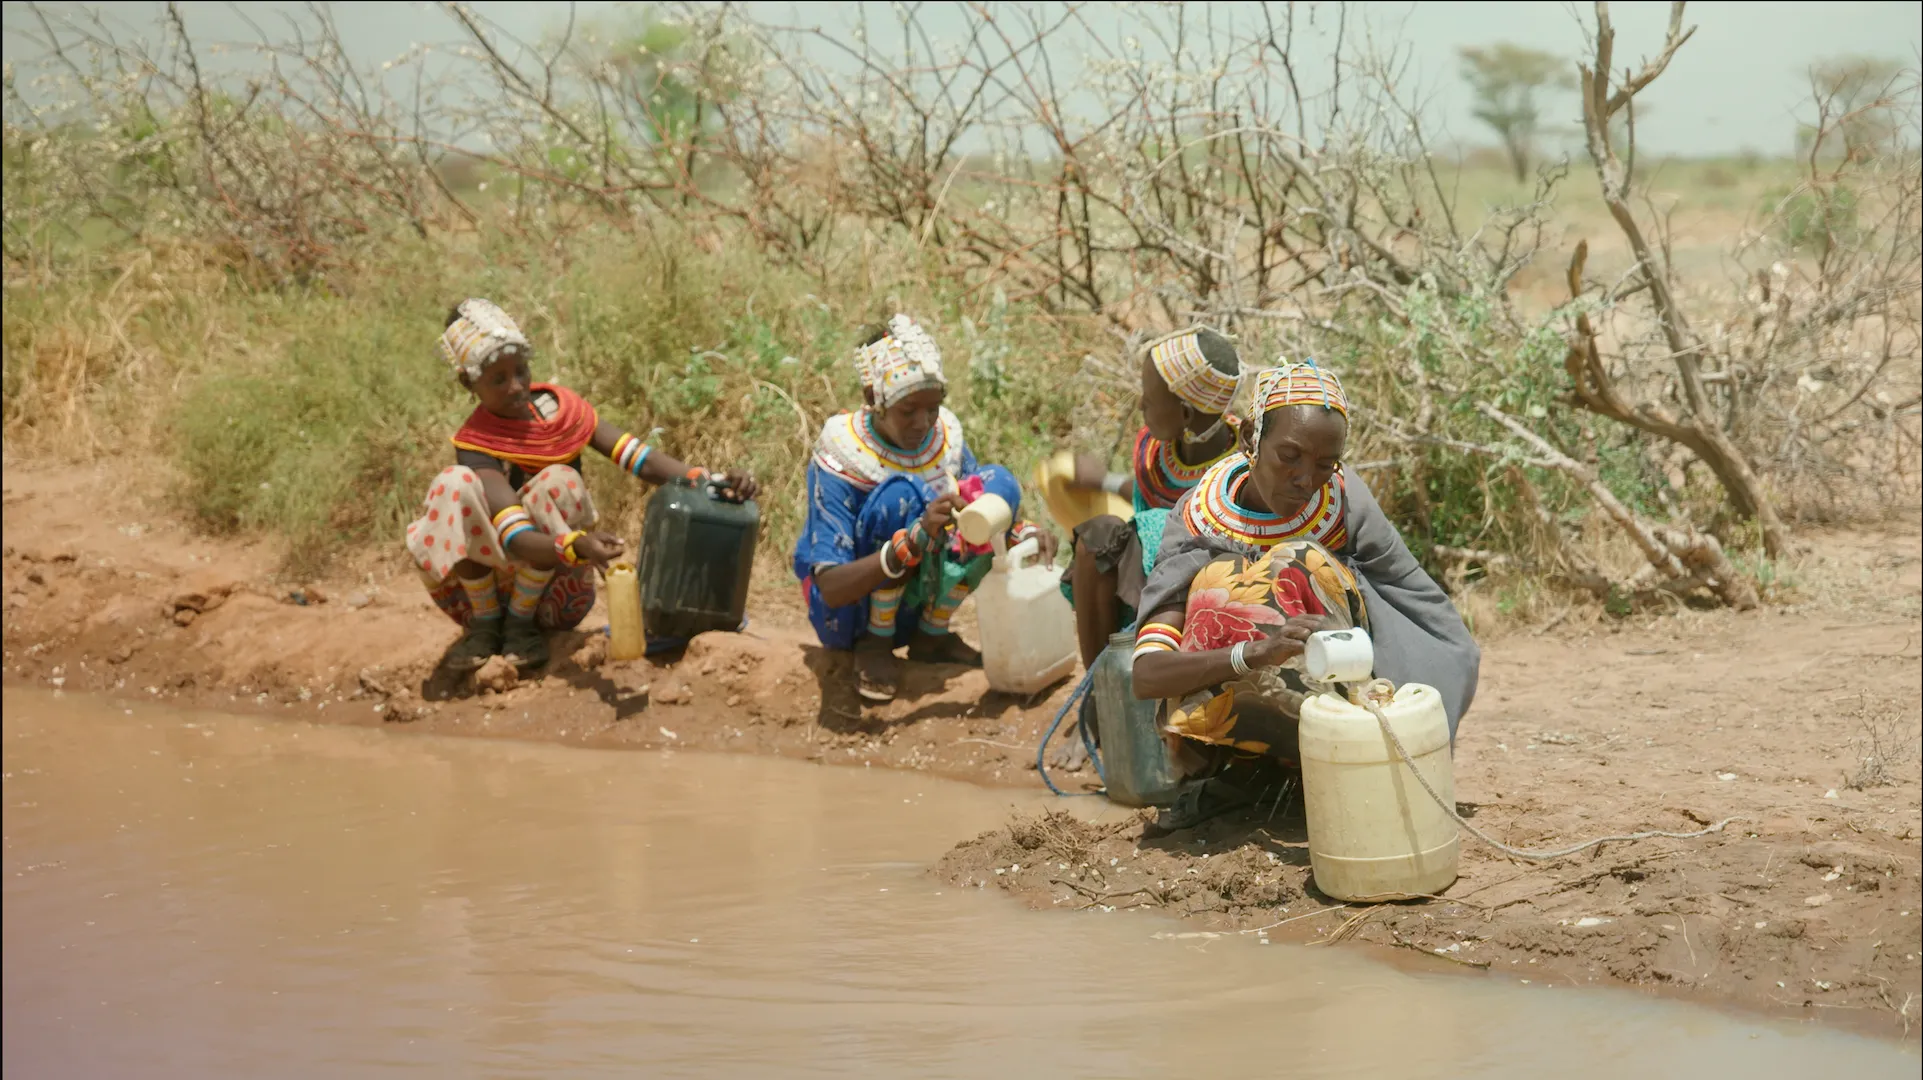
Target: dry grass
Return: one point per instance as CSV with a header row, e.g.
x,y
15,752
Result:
x,y
1886,744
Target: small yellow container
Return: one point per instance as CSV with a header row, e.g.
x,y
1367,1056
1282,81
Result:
x,y
1071,506
626,641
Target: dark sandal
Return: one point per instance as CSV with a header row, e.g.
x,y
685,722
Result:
x,y
877,672
481,642
1198,802
943,649
524,643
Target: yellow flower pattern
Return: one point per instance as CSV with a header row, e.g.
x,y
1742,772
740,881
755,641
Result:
x,y
1250,714
1213,722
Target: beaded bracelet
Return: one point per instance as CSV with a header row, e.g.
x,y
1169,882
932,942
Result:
x,y
906,550
631,453
510,523
564,547
1157,637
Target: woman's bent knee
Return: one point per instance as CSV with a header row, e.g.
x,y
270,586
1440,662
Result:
x,y
1098,534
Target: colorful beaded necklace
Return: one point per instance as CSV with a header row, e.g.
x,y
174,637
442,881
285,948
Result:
x,y
1215,510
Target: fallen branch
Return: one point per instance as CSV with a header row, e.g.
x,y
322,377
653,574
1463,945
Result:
x,y
1664,546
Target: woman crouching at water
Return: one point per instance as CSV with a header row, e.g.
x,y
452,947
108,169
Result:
x,y
1273,544
506,542
1188,381
879,564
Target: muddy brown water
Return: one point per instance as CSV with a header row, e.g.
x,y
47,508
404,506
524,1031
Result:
x,y
214,896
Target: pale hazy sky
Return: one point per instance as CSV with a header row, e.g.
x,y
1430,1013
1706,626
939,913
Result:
x,y
1736,86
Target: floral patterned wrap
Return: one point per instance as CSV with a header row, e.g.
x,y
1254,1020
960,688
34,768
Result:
x,y
1234,599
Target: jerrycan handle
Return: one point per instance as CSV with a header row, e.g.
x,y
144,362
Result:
x,y
1017,557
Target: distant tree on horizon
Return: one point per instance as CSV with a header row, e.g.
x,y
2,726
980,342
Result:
x,y
1855,98
1509,82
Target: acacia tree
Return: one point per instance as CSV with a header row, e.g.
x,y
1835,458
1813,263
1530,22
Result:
x,y
1605,96
1509,82
1856,92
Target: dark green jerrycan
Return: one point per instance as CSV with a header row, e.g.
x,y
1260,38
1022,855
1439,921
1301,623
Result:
x,y
697,552
1136,766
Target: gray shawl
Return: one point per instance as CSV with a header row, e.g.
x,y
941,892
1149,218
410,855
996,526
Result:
x,y
1418,635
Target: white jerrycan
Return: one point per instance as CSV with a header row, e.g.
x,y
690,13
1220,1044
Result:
x,y
1027,627
1374,834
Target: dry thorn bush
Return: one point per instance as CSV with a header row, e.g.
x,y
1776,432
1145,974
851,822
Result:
x,y
1050,185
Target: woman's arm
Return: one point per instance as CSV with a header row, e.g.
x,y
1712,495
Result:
x,y
1091,475
1164,673
652,466
851,581
641,459
848,583
532,547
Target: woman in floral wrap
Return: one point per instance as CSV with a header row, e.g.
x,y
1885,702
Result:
x,y
1273,544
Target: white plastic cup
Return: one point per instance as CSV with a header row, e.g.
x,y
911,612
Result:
x,y
984,519
1340,656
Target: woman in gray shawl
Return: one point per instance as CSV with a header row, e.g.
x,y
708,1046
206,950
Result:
x,y
1272,545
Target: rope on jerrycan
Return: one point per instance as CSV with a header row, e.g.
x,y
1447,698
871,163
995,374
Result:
x,y
1520,853
1088,741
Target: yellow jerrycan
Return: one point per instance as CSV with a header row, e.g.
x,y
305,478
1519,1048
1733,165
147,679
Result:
x,y
1374,833
626,641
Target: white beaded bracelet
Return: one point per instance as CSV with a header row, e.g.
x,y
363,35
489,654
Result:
x,y
1238,658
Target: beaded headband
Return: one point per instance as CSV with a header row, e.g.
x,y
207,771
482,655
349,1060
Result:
x,y
481,333
1289,384
1178,359
905,361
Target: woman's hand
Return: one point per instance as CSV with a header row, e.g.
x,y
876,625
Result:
x,y
1285,644
1089,473
1048,544
737,485
599,548
940,514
